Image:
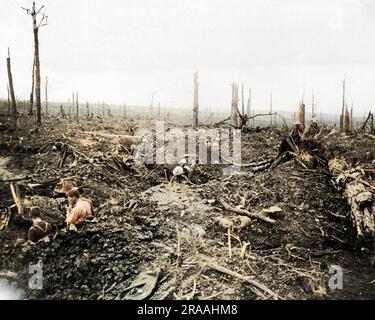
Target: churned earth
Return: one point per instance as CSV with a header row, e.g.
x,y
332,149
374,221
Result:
x,y
145,223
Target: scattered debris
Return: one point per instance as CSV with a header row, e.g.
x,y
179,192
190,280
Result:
x,y
143,285
270,231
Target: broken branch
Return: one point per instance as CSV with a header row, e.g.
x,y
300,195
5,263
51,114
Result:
x,y
243,278
245,212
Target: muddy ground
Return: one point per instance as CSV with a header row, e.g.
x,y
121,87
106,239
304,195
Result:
x,y
144,223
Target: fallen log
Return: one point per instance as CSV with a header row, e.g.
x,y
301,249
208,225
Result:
x,y
359,195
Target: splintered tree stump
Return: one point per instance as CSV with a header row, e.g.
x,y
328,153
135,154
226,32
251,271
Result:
x,y
359,195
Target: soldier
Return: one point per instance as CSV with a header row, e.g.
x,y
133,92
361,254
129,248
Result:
x,y
81,209
40,228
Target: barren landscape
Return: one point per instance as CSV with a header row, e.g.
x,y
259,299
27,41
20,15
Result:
x,y
187,150
146,223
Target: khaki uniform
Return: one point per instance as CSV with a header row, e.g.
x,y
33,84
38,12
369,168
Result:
x,y
80,212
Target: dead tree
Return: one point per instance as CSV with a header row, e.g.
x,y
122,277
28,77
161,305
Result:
x,y
36,25
249,104
103,109
234,112
271,110
31,107
346,122
196,100
87,110
351,118
11,89
301,113
62,112
77,106
70,108
46,93
313,107
243,102
244,118
343,107
9,104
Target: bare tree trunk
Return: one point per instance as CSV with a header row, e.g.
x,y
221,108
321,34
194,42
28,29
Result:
x,y
346,120
77,105
271,122
159,111
11,90
343,107
88,110
196,100
9,104
234,112
243,102
152,102
71,109
249,104
301,113
313,111
31,107
62,112
43,21
125,110
351,118
46,93
37,67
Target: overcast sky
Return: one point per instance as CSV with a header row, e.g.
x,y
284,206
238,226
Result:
x,y
123,50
